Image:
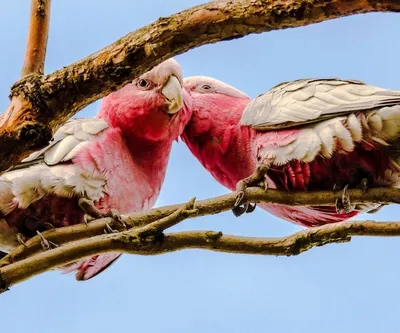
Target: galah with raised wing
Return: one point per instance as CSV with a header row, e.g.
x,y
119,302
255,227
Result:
x,y
311,134
117,160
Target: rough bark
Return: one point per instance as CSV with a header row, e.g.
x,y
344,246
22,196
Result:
x,y
201,208
40,104
133,242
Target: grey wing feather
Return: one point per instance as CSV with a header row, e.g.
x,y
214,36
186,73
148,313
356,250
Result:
x,y
307,101
66,142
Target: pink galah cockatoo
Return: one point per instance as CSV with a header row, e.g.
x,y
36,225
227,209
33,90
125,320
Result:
x,y
117,160
312,134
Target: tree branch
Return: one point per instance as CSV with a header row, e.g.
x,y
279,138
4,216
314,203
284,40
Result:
x,y
40,104
182,213
35,52
130,242
201,208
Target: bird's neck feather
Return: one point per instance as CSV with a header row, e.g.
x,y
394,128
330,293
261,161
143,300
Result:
x,y
217,140
143,126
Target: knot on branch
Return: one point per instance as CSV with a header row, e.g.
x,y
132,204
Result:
x,y
41,8
149,235
29,88
36,135
141,240
212,237
307,240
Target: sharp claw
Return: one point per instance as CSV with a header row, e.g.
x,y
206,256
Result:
x,y
238,211
257,178
336,187
90,209
339,206
109,230
251,208
87,218
239,199
241,209
345,189
49,225
347,206
46,244
116,216
345,199
21,239
364,185
93,213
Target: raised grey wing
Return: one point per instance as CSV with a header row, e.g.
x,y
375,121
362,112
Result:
x,y
312,100
66,142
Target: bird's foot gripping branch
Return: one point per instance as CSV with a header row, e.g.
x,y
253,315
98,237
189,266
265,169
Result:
x,y
146,233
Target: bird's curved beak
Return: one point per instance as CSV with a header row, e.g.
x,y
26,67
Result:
x,y
173,94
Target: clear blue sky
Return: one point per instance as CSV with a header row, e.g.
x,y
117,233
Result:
x,y
338,288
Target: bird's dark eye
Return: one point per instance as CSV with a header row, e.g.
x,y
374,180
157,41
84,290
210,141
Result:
x,y
206,87
143,83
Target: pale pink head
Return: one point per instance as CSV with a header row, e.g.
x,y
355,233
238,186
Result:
x,y
151,107
213,102
212,134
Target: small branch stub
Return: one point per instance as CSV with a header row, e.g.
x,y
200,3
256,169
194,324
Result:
x,y
36,45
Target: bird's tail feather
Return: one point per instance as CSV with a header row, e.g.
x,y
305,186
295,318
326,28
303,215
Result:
x,y
88,268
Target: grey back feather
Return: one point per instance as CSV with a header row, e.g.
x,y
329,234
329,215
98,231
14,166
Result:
x,y
66,142
308,101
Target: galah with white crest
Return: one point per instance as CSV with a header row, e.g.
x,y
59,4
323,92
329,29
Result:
x,y
305,135
117,160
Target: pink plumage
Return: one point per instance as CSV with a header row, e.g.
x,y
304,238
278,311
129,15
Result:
x,y
118,160
310,134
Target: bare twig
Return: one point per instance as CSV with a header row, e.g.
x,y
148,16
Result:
x,y
40,104
183,212
129,242
35,53
203,207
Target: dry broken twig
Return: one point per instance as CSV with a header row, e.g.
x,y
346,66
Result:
x,y
22,128
38,32
41,103
142,237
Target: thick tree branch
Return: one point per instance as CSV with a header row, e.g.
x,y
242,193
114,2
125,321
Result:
x,y
40,104
35,53
201,208
130,242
